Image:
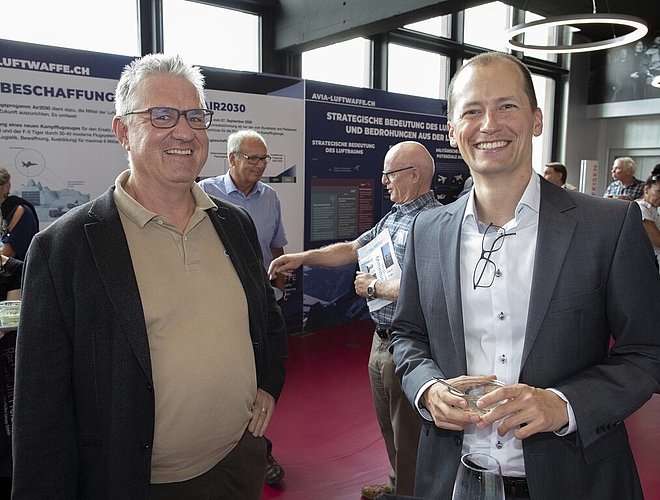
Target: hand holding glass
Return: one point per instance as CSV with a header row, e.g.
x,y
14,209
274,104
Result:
x,y
474,389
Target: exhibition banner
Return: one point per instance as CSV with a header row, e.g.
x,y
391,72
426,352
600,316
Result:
x,y
348,132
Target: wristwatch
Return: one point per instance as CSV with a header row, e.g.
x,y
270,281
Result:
x,y
371,289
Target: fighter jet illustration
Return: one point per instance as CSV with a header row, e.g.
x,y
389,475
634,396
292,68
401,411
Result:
x,y
27,164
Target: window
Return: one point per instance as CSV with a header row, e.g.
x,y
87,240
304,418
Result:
x,y
486,24
73,24
344,63
211,36
542,145
542,35
416,72
436,26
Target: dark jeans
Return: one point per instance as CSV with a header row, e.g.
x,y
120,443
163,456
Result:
x,y
238,476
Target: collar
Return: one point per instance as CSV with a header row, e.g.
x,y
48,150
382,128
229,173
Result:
x,y
530,199
230,187
139,215
414,205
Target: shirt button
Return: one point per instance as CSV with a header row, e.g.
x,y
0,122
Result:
x,y
160,222
501,316
499,445
503,359
498,273
146,446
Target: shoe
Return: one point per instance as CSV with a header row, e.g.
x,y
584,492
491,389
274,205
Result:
x,y
274,471
371,491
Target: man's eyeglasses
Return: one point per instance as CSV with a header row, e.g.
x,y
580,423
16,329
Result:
x,y
391,174
198,119
254,160
486,270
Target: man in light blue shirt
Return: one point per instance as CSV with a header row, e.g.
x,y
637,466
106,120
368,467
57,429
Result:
x,y
248,156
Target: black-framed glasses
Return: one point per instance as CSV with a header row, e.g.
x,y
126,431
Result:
x,y
198,119
389,175
486,270
254,160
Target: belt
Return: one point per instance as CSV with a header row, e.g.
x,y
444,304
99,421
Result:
x,y
515,487
383,333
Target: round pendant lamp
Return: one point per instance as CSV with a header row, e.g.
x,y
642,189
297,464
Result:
x,y
638,26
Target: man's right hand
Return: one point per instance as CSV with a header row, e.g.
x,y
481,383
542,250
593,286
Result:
x,y
285,264
448,410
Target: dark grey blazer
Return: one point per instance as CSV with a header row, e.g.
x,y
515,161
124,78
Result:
x,y
594,277
84,403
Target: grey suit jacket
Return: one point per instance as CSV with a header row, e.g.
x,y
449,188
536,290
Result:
x,y
593,278
84,402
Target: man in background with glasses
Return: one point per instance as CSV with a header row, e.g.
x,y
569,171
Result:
x,y
152,349
248,156
407,174
526,282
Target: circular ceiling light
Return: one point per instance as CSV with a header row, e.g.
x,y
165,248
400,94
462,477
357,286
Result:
x,y
638,25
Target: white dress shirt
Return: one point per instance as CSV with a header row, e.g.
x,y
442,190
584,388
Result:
x,y
495,316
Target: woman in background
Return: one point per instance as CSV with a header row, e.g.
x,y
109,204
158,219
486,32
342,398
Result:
x,y
648,204
19,220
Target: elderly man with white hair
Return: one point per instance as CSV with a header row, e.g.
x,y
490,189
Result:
x,y
625,186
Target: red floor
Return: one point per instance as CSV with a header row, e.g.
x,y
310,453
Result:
x,y
325,434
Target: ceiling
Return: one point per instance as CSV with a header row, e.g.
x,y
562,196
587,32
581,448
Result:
x,y
648,10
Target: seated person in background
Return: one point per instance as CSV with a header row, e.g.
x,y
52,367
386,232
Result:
x,y
10,289
19,220
555,172
649,204
625,186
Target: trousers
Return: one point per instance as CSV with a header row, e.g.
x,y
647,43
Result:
x,y
399,423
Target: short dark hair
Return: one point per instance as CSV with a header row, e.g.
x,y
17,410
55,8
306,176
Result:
x,y
486,59
559,167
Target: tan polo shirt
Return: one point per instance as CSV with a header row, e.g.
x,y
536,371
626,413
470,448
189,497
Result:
x,y
197,325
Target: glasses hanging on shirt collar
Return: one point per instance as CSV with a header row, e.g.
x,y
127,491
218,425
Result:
x,y
486,270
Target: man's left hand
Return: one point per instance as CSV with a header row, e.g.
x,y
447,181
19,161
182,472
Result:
x,y
262,412
529,410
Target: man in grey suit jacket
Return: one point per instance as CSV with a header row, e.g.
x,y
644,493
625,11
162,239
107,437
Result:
x,y
152,349
527,282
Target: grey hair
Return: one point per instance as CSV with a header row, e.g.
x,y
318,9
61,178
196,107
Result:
x,y
4,176
629,163
136,72
235,140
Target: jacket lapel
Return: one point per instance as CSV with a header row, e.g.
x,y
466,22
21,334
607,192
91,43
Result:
x,y
109,248
449,242
555,232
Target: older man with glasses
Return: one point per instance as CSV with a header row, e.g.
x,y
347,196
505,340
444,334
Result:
x,y
407,175
152,349
248,157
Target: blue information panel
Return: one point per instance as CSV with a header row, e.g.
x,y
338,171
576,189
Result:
x,y
348,132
